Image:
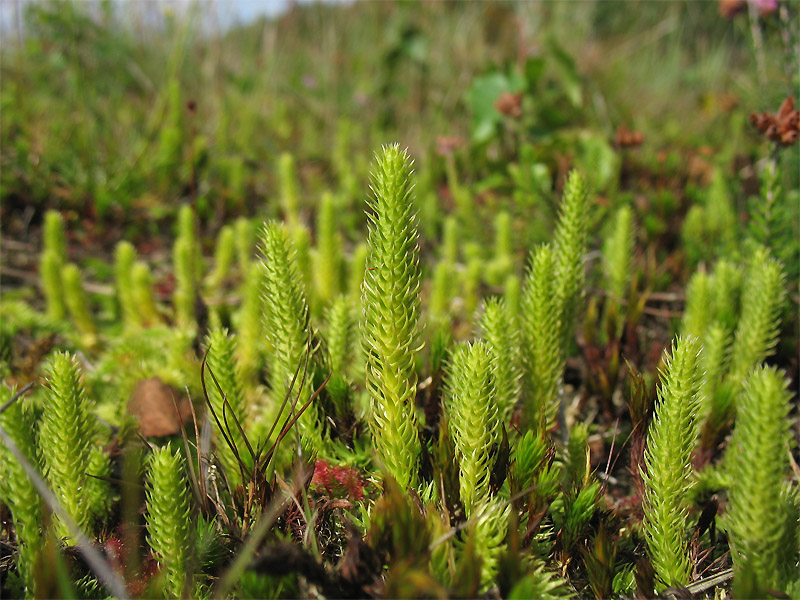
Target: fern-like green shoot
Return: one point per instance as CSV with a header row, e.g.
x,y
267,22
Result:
x,y
726,285
54,255
390,304
168,519
286,321
245,239
223,259
759,464
356,269
124,259
762,297
341,333
473,418
671,440
542,354
228,403
50,265
502,334
540,584
569,248
143,297
250,327
290,197
66,439
78,304
17,490
618,253
328,255
488,533
699,311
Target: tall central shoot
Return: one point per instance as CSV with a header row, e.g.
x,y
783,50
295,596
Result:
x,y
390,297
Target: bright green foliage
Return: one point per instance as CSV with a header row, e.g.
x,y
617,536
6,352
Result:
x,y
502,264
533,466
542,356
16,489
710,227
501,333
171,135
671,439
774,214
169,519
450,240
53,235
54,254
390,301
78,304
540,584
569,248
245,239
474,418
223,258
441,291
50,266
726,285
472,284
488,532
229,404
577,466
328,255
341,333
699,310
762,296
250,327
301,240
512,296
286,320
142,292
618,254
124,259
98,489
759,464
290,199
66,438
714,358
184,295
572,511
358,265
186,264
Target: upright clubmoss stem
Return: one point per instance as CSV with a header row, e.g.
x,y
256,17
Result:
x,y
390,299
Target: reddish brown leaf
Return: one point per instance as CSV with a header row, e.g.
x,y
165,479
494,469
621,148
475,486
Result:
x,y
153,404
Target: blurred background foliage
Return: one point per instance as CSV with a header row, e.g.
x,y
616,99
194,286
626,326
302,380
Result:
x,y
95,119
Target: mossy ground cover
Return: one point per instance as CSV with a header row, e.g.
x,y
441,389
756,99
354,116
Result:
x,y
400,300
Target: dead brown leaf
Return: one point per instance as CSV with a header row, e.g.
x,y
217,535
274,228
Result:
x,y
153,404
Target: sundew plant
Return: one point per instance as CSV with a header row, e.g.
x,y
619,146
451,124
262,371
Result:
x,y
510,355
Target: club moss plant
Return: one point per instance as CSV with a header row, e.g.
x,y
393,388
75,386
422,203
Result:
x,y
390,301
757,517
169,522
500,330
671,439
286,323
226,394
504,479
474,418
66,435
16,489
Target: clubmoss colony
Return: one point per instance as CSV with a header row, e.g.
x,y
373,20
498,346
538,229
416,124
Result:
x,y
350,442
